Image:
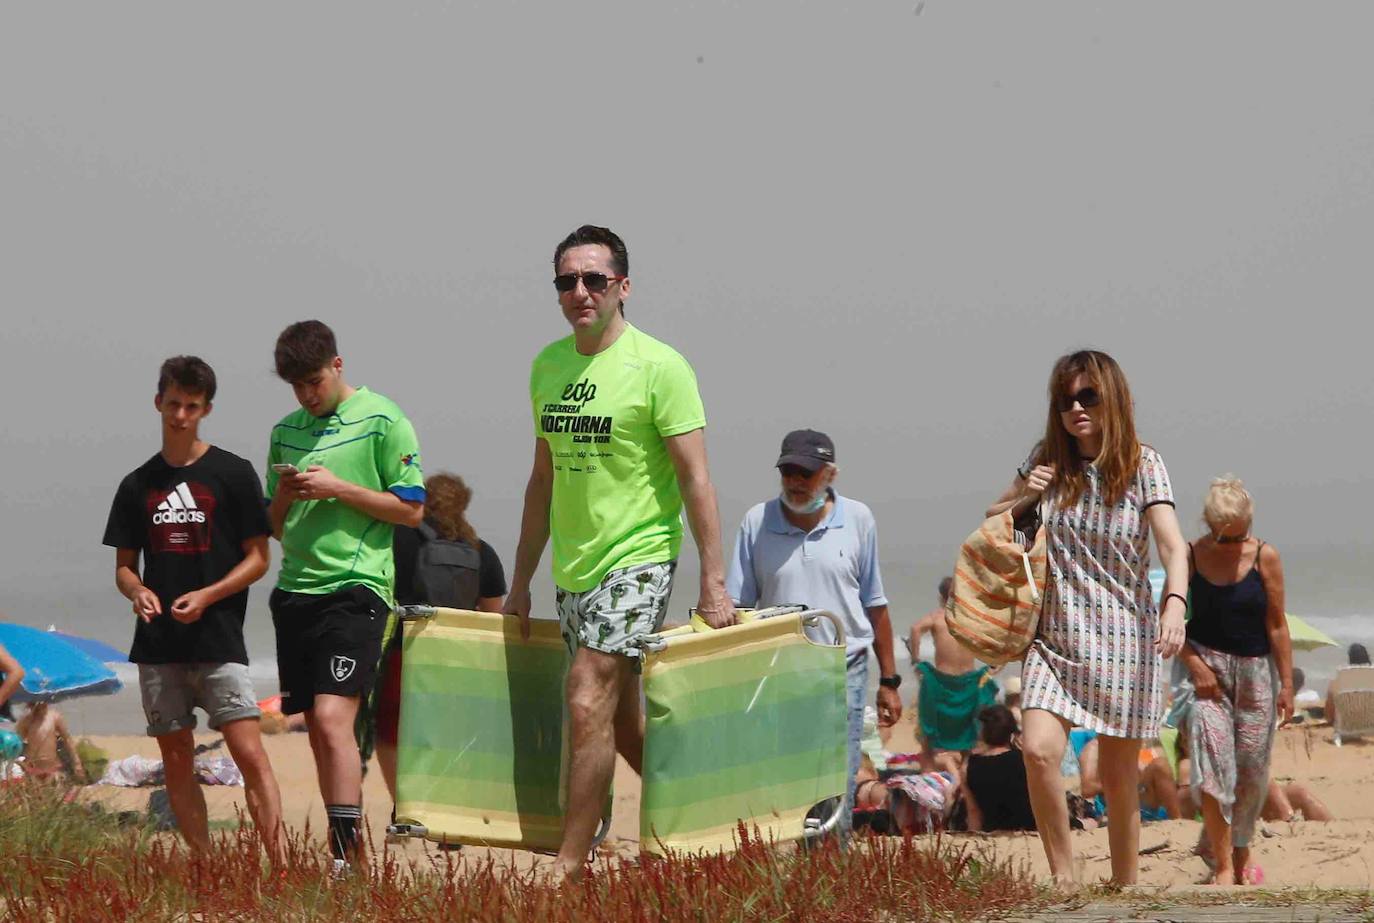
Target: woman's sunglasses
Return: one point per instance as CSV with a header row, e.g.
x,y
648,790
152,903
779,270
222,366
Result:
x,y
595,282
1088,397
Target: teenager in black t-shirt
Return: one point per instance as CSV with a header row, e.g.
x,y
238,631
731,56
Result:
x,y
194,514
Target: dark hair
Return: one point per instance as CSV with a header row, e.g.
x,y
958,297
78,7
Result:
x,y
1299,678
303,349
593,234
945,584
446,502
999,724
191,374
1119,461
1358,655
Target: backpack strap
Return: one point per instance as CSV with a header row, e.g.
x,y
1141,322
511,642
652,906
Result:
x,y
427,532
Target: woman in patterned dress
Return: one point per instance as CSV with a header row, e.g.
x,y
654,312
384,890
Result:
x,y
1096,659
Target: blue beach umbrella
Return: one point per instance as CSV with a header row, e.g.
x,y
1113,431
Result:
x,y
105,653
54,668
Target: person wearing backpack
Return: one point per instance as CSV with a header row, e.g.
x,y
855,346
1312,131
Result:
x,y
441,562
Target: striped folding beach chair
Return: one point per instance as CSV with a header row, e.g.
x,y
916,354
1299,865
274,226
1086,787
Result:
x,y
745,725
1352,696
480,749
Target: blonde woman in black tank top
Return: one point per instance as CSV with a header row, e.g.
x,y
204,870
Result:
x,y
1241,661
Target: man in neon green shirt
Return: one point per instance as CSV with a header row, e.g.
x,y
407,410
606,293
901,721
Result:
x,y
341,471
619,452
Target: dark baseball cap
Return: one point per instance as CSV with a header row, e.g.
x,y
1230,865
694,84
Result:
x,y
807,449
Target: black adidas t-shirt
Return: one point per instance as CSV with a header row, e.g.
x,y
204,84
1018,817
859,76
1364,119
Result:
x,y
189,525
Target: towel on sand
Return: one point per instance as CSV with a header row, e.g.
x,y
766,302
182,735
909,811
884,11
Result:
x,y
947,706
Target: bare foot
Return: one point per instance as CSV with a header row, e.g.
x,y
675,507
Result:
x,y
570,873
1223,877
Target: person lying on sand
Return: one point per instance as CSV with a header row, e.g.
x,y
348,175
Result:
x,y
1293,801
1283,800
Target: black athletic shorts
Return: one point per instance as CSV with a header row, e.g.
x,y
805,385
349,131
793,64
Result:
x,y
327,644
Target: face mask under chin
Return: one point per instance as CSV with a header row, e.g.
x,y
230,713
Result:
x,y
814,505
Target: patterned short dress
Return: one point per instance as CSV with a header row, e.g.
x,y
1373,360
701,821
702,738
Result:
x,y
1093,661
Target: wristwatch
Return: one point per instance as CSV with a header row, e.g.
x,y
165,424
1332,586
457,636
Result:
x,y
890,682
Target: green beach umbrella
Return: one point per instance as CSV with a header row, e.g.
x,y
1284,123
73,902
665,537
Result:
x,y
1305,637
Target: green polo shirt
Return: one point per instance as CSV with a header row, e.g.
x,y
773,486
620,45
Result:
x,y
605,417
327,544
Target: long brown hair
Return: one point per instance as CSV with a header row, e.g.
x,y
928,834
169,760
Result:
x,y
1119,460
446,503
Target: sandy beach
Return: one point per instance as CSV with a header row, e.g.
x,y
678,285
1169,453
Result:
x,y
1339,854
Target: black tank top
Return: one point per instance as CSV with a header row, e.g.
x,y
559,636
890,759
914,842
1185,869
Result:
x,y
1230,618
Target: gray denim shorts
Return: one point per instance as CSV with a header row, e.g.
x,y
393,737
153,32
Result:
x,y
624,606
171,692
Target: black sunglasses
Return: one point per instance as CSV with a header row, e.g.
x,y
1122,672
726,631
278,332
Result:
x,y
1088,397
595,282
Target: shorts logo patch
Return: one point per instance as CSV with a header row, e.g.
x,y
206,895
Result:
x,y
342,667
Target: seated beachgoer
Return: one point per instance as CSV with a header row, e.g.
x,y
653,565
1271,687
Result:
x,y
11,673
49,751
1291,801
1159,797
899,803
1358,656
1305,700
876,807
994,786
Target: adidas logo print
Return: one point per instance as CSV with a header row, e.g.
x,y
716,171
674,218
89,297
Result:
x,y
179,507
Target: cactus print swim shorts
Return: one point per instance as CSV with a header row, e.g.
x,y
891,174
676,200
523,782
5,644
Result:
x,y
627,604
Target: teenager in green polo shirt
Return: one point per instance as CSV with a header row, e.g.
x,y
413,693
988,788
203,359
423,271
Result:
x,y
341,471
619,453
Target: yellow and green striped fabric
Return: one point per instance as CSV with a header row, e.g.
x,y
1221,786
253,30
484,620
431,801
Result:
x,y
480,746
744,724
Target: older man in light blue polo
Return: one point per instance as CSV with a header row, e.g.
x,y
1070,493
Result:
x,y
810,545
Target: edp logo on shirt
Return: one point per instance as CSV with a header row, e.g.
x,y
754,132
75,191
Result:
x,y
581,392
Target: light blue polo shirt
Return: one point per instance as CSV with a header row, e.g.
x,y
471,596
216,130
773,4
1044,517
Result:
x,y
834,566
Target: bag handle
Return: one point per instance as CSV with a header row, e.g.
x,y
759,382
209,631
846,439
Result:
x,y
1030,578
1025,554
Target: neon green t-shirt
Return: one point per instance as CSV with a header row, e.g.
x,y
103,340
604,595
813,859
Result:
x,y
616,501
327,544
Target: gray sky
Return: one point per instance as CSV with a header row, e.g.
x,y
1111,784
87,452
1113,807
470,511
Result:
x,y
850,216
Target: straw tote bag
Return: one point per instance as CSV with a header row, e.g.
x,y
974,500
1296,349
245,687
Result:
x,y
999,579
